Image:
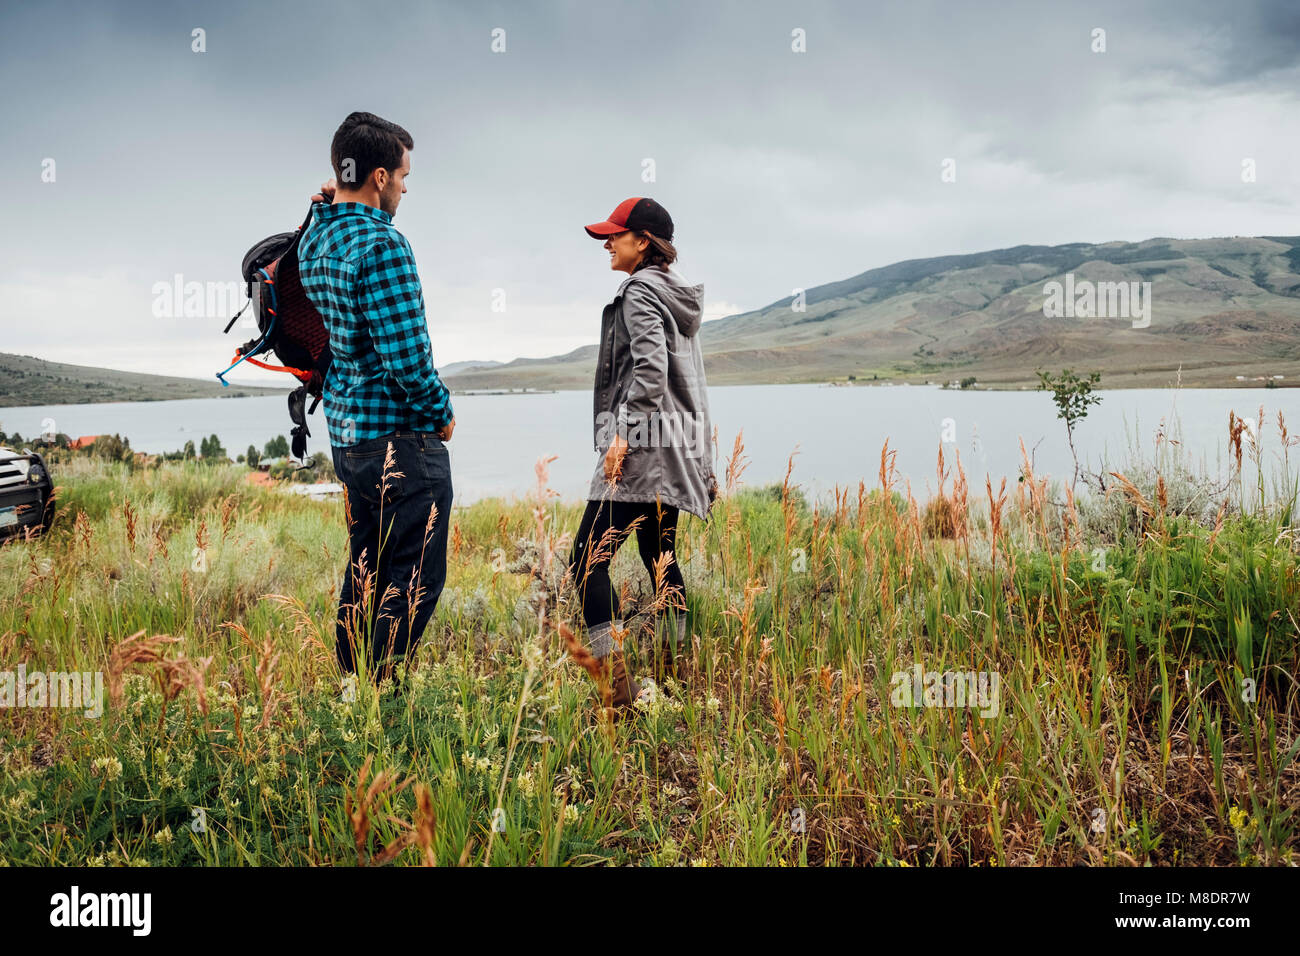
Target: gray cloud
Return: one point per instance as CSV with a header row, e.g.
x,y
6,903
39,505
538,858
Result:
x,y
781,169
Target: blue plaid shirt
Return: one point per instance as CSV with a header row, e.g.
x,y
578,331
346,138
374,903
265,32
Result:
x,y
359,273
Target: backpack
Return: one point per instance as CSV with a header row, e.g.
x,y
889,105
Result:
x,y
289,326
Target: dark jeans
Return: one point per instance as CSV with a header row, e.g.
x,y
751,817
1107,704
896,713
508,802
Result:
x,y
656,534
398,551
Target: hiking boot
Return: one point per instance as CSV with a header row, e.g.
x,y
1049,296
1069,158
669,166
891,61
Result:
x,y
623,692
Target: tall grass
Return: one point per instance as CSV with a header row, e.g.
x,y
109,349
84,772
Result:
x,y
1146,653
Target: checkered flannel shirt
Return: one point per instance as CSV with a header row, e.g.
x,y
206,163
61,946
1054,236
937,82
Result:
x,y
359,273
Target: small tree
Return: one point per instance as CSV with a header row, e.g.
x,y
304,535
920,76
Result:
x,y
212,450
277,447
1073,397
251,456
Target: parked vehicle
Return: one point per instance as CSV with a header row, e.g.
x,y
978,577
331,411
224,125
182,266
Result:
x,y
26,493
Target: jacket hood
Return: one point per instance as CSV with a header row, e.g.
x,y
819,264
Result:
x,y
685,302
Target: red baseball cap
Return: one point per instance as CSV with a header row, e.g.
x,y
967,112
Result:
x,y
636,213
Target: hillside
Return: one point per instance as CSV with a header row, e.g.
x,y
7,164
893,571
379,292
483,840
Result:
x,y
25,380
1220,308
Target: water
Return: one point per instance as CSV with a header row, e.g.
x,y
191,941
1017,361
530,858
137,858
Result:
x,y
838,431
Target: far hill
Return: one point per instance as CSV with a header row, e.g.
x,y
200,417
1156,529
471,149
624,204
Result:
x,y
1221,308
25,380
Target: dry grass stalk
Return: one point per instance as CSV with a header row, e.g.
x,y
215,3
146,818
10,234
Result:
x,y
229,508
131,652
1132,493
737,463
788,511
583,657
995,514
129,514
359,805
267,680
172,675
305,627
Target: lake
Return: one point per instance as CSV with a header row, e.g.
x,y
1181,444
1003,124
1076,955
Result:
x,y
837,431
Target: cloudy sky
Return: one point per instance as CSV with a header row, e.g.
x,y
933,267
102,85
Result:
x,y
782,169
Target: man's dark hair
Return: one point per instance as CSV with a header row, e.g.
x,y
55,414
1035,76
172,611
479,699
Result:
x,y
370,143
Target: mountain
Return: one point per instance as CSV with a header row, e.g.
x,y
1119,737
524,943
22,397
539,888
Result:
x,y
25,380
1219,309
455,368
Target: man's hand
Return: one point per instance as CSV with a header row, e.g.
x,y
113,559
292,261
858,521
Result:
x,y
445,431
326,193
614,458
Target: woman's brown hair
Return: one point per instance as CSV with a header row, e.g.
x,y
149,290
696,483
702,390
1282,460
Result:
x,y
660,252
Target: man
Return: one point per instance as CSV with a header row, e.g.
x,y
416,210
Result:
x,y
387,410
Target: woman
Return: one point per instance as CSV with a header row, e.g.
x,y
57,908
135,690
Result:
x,y
652,431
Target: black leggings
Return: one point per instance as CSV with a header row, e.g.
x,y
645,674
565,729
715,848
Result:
x,y
656,534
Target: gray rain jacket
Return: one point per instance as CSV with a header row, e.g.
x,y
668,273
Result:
x,y
650,389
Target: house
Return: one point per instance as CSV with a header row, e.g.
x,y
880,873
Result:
x,y
85,441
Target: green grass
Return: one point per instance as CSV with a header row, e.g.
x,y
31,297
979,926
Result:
x,y
1126,645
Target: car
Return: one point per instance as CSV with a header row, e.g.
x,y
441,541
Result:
x,y
26,493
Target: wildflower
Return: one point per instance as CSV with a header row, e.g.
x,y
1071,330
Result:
x,y
669,851
650,692
19,801
527,785
110,767
570,813
713,706
163,836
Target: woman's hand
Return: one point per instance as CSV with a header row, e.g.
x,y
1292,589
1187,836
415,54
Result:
x,y
614,458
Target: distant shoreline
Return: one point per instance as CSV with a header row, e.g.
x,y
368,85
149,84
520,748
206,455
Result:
x,y
938,386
